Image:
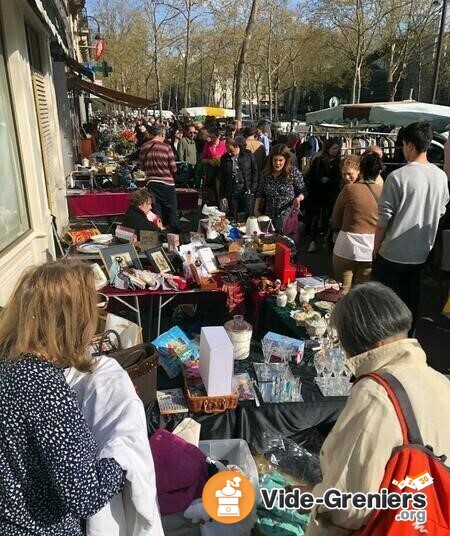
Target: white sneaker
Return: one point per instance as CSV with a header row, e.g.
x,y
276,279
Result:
x,y
312,247
212,211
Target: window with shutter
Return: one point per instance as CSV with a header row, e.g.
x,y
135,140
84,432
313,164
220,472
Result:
x,y
48,147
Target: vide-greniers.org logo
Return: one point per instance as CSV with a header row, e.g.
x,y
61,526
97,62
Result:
x,y
412,505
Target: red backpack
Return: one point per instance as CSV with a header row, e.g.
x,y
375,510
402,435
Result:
x,y
412,468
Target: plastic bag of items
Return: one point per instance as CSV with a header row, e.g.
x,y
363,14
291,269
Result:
x,y
292,459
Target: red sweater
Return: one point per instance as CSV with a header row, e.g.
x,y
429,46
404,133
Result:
x,y
159,162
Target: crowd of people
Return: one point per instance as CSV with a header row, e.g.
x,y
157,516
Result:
x,y
54,474
374,229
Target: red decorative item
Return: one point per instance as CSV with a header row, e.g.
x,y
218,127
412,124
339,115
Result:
x,y
180,281
100,48
301,270
282,265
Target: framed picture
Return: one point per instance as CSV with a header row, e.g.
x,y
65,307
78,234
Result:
x,y
127,252
159,261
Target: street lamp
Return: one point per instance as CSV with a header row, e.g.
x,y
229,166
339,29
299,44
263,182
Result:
x,y
437,64
97,36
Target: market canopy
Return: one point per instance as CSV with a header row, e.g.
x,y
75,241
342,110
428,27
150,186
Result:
x,y
398,114
203,111
110,95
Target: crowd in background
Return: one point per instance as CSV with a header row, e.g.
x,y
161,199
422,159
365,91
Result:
x,y
339,195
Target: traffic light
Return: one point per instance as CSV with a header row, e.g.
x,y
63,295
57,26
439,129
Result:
x,y
106,69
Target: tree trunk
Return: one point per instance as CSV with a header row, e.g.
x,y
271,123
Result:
x,y
169,97
277,96
201,82
158,90
294,102
258,98
250,98
242,58
354,85
269,65
186,56
358,84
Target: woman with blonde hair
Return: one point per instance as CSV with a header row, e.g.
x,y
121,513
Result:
x,y
350,169
355,215
281,187
50,477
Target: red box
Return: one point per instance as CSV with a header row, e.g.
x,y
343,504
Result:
x,y
283,269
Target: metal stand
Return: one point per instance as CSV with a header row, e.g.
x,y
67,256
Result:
x,y
136,309
161,305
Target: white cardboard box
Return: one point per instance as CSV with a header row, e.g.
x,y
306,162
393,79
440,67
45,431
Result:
x,y
216,361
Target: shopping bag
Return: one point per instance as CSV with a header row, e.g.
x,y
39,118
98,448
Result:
x,y
130,333
291,226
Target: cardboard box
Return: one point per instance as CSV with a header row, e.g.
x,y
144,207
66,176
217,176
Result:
x,y
216,361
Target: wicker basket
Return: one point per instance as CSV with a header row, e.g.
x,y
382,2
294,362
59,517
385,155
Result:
x,y
209,404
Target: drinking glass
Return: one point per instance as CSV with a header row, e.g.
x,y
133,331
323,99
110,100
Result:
x,y
267,347
319,363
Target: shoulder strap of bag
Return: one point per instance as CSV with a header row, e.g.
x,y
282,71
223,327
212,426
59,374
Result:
x,y
402,405
372,192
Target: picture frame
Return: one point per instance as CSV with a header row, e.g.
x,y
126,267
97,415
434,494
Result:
x,y
159,261
149,240
126,251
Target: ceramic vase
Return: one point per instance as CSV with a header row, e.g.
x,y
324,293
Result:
x,y
252,227
282,299
291,292
304,296
310,292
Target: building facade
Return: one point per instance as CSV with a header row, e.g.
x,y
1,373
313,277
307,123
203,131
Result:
x,y
36,37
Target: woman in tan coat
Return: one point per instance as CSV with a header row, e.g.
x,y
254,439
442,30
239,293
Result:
x,y
355,214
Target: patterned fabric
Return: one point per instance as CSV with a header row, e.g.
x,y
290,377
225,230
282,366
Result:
x,y
159,162
280,193
50,477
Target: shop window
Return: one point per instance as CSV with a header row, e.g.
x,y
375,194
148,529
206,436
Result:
x,y
13,209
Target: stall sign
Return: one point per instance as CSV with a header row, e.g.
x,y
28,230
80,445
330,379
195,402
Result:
x,y
100,48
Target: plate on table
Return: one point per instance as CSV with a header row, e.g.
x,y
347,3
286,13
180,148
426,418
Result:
x,y
102,238
325,306
214,246
90,248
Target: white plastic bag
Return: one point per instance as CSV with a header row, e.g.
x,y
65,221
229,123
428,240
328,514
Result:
x,y
129,332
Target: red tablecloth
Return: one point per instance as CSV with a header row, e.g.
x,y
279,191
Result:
x,y
96,204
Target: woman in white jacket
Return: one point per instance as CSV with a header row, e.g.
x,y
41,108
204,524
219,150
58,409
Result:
x,y
372,323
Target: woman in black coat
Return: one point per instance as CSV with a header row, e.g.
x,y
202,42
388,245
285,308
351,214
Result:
x,y
136,215
324,179
238,178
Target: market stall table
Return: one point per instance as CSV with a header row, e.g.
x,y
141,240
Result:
x,y
164,297
98,203
252,423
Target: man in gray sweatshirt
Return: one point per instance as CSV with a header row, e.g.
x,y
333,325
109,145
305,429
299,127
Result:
x,y
410,207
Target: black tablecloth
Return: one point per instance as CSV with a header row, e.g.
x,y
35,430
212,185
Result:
x,y
250,422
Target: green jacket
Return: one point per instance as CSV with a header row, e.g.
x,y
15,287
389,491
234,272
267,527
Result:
x,y
187,151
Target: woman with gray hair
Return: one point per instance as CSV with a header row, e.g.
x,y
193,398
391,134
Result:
x,y
372,324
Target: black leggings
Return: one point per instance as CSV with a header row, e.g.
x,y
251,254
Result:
x,y
317,220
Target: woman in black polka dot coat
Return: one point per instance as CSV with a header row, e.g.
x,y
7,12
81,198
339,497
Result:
x,y
50,477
